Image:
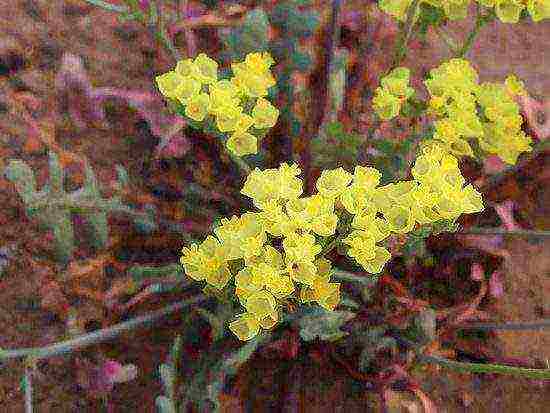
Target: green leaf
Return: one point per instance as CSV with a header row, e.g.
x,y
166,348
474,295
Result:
x,y
165,405
385,146
252,36
322,324
61,224
430,16
56,175
300,61
22,176
142,273
122,176
217,323
369,352
167,376
99,229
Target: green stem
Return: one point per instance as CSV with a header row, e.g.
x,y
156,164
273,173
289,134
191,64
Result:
x,y
449,41
405,34
481,20
163,34
346,276
108,6
69,346
540,374
499,231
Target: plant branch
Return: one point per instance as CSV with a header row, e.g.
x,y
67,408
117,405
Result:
x,y
516,326
405,34
540,374
346,276
69,346
108,6
501,231
449,41
481,20
27,380
164,36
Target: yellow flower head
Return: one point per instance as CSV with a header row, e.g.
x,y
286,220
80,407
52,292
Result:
x,y
242,143
168,83
187,67
186,89
207,69
265,115
333,182
245,327
228,117
197,107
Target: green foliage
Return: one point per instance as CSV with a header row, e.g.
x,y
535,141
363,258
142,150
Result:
x,y
335,147
422,329
251,36
318,323
53,206
141,273
169,373
429,16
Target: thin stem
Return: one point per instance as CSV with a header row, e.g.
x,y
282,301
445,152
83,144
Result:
x,y
449,41
108,6
500,231
69,346
164,36
241,163
481,20
405,34
346,276
28,390
517,326
540,374
330,246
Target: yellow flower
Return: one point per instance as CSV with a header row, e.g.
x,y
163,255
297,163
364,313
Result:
x,y
263,307
168,83
259,62
244,123
265,115
246,284
515,86
333,182
400,219
386,105
227,118
508,11
327,294
245,327
197,107
187,88
538,9
186,68
376,264
207,69
242,143
302,272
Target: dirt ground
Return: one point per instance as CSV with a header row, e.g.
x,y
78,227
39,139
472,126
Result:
x,y
33,37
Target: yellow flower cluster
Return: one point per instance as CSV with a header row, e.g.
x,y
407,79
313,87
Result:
x,y
508,11
394,90
269,276
237,106
468,110
436,193
266,276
